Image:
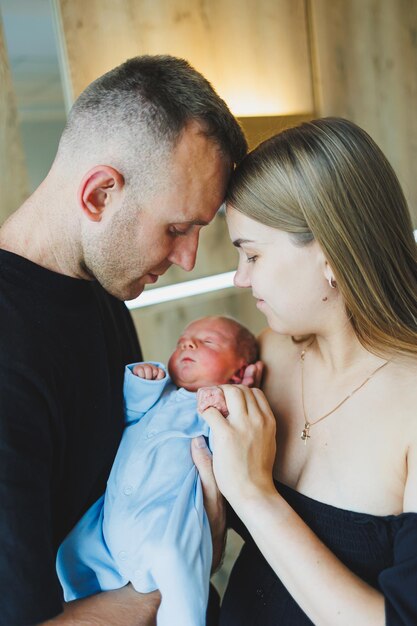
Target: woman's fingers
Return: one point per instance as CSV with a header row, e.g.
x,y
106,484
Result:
x,y
235,401
243,405
243,444
253,374
259,367
263,404
214,419
249,375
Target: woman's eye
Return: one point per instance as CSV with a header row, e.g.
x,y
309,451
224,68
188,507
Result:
x,y
251,259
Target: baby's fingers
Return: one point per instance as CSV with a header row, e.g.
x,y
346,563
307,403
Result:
x,y
160,374
138,370
148,371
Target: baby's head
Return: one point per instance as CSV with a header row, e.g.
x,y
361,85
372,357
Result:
x,y
212,351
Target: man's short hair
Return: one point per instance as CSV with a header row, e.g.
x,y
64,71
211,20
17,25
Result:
x,y
144,104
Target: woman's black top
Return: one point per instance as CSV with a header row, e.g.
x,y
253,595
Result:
x,y
381,550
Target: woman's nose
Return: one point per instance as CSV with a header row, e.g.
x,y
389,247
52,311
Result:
x,y
241,278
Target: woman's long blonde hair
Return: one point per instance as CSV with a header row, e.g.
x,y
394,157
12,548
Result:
x,y
328,181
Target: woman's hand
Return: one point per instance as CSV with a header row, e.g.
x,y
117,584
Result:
x,y
243,444
252,375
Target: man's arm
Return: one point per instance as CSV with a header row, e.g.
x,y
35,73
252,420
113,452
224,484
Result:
x,y
27,564
213,500
125,606
122,607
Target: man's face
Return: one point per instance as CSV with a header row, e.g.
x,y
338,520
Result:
x,y
142,240
206,354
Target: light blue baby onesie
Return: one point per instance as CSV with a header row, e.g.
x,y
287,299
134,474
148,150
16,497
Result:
x,y
150,527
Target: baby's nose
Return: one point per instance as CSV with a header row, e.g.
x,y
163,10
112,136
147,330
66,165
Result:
x,y
187,344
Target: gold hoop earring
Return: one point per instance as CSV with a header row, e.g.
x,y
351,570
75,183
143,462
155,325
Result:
x,y
332,283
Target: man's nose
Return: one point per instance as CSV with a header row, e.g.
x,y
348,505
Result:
x,y
184,252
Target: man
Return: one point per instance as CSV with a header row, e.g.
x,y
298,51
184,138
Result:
x,y
142,166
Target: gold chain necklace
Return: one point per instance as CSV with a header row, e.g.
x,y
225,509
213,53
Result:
x,y
305,433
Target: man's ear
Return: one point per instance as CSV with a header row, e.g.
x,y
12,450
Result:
x,y
97,189
238,375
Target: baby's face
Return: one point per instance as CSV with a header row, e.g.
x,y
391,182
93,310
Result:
x,y
206,354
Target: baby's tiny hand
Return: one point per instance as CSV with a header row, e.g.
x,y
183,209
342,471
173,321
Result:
x,y
211,396
149,371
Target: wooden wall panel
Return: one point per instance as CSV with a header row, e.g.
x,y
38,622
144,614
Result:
x,y
250,51
13,179
365,60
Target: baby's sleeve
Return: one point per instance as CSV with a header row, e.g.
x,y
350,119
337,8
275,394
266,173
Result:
x,y
399,582
140,394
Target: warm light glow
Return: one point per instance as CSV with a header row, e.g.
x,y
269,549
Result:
x,y
182,290
255,104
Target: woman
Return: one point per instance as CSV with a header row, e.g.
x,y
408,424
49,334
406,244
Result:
x,y
324,477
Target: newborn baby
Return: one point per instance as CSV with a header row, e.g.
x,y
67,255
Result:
x,y
206,396
150,527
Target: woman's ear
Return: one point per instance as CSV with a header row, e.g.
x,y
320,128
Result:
x,y
329,274
98,189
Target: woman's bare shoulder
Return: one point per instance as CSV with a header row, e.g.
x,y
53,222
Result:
x,y
402,375
405,379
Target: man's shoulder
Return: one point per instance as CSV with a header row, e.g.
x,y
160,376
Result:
x,y
24,326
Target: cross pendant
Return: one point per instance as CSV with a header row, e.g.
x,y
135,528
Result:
x,y
305,433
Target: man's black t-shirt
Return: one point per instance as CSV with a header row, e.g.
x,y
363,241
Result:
x,y
64,343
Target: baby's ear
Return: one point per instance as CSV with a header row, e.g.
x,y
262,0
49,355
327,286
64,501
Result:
x,y
238,375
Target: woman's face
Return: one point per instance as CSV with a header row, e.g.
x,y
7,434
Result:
x,y
287,280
